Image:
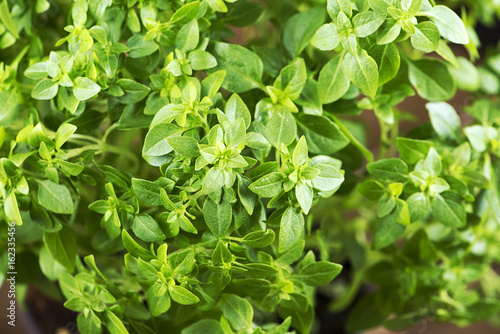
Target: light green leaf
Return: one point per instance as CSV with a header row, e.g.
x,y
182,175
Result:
x,y
333,81
237,311
449,24
363,71
45,90
426,37
85,88
268,185
326,37
188,37
182,295
444,119
366,23
281,128
6,19
432,80
55,197
146,228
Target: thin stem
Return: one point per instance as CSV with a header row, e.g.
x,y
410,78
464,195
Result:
x,y
363,149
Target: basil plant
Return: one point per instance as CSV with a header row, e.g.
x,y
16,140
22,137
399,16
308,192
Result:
x,y
201,166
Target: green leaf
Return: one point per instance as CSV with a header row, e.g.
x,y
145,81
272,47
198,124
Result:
x,y
388,231
363,71
247,197
319,273
237,311
236,108
134,91
388,61
201,60
304,195
291,229
134,248
186,13
155,143
468,76
204,326
444,119
55,197
6,19
322,135
419,206
10,99
300,28
366,23
214,180
243,68
292,79
328,179
158,304
89,324
281,128
389,170
432,79
333,81
217,216
449,209
63,133
235,134
45,90
114,324
85,88
147,192
140,48
259,239
326,37
412,150
182,295
449,24
185,146
426,37
268,185
432,163
188,37
11,209
62,246
146,228
334,7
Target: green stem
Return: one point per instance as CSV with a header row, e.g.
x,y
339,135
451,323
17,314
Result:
x,y
363,149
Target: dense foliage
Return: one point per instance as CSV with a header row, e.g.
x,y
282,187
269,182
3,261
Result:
x,y
164,178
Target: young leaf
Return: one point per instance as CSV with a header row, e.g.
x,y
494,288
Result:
x,y
182,295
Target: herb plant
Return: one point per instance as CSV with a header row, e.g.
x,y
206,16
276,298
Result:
x,y
165,179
